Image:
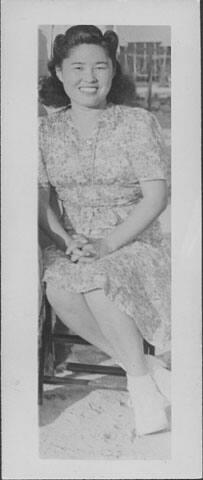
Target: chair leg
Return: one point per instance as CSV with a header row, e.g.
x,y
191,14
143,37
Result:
x,y
41,352
49,350
41,365
46,351
41,374
148,348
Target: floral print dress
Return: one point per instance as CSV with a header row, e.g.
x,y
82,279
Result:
x,y
97,181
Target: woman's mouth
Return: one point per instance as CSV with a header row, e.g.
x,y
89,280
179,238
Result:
x,y
88,90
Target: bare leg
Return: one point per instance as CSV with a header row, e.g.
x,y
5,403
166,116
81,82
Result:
x,y
73,311
119,335
121,332
123,335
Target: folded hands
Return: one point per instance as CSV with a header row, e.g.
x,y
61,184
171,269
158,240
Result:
x,y
83,250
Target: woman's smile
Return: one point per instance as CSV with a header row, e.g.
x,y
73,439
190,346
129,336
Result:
x,y
88,89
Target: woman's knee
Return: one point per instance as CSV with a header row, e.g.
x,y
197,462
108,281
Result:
x,y
63,297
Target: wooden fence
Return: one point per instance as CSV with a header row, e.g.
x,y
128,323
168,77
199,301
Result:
x,y
147,62
143,59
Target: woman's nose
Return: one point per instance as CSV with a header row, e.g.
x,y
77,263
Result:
x,y
89,75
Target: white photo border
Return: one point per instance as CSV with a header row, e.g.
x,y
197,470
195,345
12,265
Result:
x,y
21,20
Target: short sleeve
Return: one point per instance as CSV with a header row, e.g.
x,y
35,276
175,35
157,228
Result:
x,y
42,171
148,151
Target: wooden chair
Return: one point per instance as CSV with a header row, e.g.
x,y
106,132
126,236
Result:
x,y
47,360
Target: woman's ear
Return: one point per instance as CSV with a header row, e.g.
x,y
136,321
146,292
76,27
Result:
x,y
59,74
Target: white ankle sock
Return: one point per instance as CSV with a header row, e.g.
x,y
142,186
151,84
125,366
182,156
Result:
x,y
148,404
161,375
142,385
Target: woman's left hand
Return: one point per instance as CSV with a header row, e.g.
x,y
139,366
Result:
x,y
74,246
94,250
91,251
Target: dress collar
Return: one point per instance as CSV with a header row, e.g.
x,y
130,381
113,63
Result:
x,y
103,119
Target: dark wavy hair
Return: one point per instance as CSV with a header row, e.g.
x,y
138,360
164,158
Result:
x,y
51,91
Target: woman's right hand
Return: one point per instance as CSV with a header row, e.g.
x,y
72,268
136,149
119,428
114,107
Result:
x,y
89,250
75,247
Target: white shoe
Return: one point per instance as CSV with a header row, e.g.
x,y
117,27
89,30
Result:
x,y
148,405
161,376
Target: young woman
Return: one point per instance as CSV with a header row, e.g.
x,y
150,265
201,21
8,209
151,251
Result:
x,y
110,280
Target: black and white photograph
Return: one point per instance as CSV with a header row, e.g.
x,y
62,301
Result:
x,y
104,240
101,324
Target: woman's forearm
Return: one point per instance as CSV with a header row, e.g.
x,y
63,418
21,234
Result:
x,y
147,210
56,226
49,222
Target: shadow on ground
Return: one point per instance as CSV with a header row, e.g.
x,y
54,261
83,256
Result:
x,y
95,422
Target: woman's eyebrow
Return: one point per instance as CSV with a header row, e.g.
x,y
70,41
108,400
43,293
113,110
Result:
x,y
83,63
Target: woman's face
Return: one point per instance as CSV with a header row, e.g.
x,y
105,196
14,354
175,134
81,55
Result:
x,y
87,75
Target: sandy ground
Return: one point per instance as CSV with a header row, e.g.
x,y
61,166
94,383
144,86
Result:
x,y
94,421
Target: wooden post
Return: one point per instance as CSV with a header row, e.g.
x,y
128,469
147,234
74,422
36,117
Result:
x,y
163,69
52,39
150,68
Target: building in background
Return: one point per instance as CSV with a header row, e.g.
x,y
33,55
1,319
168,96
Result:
x,y
136,58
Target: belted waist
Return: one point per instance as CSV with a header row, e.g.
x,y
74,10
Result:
x,y
98,204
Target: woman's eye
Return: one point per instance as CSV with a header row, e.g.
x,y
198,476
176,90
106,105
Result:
x,y
101,67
